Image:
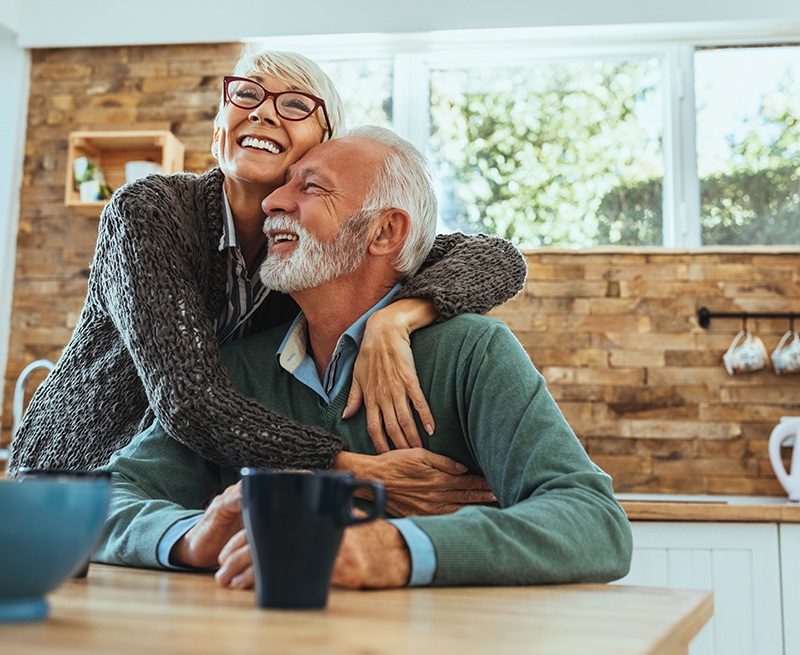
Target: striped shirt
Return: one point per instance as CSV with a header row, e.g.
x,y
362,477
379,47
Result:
x,y
244,295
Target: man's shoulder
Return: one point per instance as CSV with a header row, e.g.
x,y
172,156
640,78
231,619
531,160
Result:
x,y
258,346
462,333
464,325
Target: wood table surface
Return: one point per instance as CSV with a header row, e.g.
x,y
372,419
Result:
x,y
120,610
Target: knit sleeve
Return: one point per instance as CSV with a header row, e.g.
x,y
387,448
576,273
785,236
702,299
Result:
x,y
147,278
467,274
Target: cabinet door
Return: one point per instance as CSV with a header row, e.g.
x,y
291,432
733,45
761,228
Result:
x,y
790,576
739,562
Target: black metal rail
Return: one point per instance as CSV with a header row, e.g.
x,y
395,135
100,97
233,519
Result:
x,y
704,316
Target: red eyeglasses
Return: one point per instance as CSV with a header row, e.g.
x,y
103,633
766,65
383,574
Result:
x,y
290,105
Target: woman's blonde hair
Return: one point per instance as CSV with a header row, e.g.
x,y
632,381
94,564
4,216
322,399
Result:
x,y
299,73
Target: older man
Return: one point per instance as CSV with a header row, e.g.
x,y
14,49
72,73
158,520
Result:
x,y
355,216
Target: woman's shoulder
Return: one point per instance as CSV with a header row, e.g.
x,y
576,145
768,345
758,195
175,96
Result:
x,y
179,198
170,188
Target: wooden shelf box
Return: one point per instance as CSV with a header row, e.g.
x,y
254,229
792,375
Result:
x,y
111,151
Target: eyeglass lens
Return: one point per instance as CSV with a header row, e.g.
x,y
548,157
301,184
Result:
x,y
288,104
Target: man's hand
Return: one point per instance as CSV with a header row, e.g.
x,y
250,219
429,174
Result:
x,y
201,545
418,482
236,564
373,555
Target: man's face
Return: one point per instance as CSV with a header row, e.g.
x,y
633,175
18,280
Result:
x,y
314,228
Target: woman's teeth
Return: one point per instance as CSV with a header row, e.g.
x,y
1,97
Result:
x,y
261,144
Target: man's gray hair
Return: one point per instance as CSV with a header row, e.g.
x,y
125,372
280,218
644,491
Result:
x,y
299,73
405,181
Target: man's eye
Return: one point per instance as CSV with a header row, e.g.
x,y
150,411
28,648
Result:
x,y
311,185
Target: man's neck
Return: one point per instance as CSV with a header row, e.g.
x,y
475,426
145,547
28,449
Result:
x,y
331,308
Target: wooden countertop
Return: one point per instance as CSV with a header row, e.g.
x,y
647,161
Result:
x,y
122,611
752,509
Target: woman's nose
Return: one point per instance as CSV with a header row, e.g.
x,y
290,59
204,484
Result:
x,y
264,112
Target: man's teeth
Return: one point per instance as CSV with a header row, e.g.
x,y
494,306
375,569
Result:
x,y
285,237
252,142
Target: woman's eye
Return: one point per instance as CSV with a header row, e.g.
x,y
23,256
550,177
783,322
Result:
x,y
300,105
245,93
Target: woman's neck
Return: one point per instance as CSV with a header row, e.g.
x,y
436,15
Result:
x,y
248,220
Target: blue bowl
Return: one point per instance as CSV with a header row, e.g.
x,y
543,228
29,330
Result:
x,y
49,526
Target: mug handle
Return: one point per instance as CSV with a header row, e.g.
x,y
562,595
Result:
x,y
378,501
791,333
742,333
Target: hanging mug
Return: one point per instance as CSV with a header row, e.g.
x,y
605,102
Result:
x,y
786,356
746,353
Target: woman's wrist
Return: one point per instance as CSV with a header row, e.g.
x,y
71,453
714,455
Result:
x,y
358,465
408,313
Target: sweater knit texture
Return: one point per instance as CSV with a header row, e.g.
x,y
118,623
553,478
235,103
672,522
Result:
x,y
145,347
556,520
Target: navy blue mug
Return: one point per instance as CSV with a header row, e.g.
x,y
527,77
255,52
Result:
x,y
294,522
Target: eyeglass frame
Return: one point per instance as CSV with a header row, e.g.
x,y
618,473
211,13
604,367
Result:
x,y
318,102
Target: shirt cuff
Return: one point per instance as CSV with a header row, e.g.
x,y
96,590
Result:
x,y
423,554
171,537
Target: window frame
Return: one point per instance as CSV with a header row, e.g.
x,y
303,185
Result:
x,y
413,56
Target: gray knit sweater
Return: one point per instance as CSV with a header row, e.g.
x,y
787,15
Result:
x,y
145,345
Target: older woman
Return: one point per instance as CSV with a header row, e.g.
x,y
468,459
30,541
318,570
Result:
x,y
175,275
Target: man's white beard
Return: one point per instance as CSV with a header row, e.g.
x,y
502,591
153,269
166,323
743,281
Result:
x,y
314,262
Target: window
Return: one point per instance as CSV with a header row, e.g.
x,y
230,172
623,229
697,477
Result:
x,y
365,87
569,142
748,144
545,153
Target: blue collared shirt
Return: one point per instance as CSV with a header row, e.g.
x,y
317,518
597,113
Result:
x,y
293,357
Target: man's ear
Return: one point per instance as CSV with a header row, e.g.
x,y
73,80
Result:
x,y
390,232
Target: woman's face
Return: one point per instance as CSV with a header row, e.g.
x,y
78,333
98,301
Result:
x,y
255,147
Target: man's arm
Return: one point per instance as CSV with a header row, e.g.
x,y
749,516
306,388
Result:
x,y
557,521
156,482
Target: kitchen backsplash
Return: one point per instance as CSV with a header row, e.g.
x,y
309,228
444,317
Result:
x,y
614,332
617,337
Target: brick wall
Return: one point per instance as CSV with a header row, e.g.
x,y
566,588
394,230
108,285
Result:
x,y
616,336
615,333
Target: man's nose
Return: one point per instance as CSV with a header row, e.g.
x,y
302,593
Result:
x,y
278,202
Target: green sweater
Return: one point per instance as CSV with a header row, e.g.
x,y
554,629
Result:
x,y
556,519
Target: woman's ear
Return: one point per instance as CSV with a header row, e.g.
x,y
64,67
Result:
x,y
390,232
215,143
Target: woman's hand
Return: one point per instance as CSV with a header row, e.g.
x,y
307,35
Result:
x,y
385,379
418,482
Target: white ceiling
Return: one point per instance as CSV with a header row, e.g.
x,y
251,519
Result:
x,y
55,23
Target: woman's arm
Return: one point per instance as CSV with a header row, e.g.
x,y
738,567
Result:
x,y
147,273
467,274
461,274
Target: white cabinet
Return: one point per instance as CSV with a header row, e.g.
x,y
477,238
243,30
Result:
x,y
790,570
740,563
